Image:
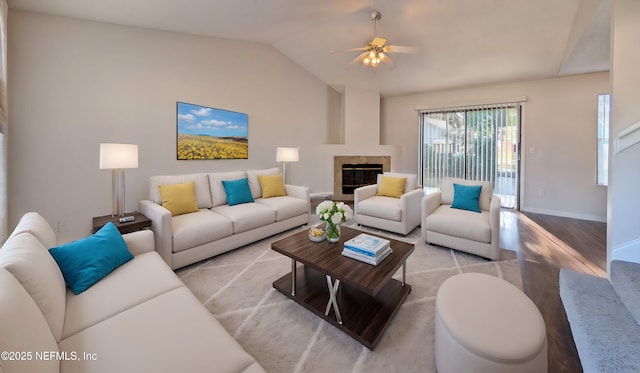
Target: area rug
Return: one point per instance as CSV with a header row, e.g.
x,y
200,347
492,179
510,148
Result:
x,y
283,336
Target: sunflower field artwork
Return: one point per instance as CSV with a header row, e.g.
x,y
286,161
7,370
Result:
x,y
208,133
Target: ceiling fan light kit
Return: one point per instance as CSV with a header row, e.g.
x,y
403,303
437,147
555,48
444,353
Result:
x,y
376,51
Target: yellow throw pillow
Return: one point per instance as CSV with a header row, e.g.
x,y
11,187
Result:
x,y
179,198
272,186
391,186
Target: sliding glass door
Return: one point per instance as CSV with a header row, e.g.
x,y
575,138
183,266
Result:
x,y
473,143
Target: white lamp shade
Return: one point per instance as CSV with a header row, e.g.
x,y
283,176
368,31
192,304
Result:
x,y
287,154
113,156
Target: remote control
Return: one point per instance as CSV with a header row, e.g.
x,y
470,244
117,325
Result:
x,y
126,219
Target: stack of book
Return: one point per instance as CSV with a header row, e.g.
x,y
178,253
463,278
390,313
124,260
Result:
x,y
366,248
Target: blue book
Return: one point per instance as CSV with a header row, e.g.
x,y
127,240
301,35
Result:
x,y
363,252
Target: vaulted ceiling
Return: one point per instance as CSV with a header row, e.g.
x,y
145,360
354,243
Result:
x,y
461,42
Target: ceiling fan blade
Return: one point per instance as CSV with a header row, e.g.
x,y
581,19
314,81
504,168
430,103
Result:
x,y
400,49
359,58
355,49
388,61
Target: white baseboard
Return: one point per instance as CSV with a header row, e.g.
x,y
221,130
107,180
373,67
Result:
x,y
629,252
565,214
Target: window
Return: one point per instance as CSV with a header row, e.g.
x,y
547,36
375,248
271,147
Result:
x,y
473,143
603,139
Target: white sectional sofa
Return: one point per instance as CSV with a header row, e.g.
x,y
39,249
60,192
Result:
x,y
139,318
217,227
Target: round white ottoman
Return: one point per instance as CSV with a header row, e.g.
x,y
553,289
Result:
x,y
485,324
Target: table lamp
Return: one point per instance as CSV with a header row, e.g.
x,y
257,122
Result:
x,y
117,157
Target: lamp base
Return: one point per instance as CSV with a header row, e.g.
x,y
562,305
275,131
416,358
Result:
x,y
117,192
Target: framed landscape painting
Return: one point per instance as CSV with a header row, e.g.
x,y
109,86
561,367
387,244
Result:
x,y
208,133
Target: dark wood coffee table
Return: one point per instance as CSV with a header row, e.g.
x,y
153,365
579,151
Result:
x,y
358,298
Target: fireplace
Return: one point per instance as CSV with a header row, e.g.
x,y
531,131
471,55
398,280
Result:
x,y
351,172
358,175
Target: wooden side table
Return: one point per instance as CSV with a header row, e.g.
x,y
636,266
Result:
x,y
140,222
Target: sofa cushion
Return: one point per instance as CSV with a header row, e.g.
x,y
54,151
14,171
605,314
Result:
x,y
23,329
272,186
86,261
410,184
387,208
201,180
466,197
237,191
172,332
447,191
34,223
218,196
460,223
29,262
254,182
204,226
247,216
101,301
179,198
391,186
286,207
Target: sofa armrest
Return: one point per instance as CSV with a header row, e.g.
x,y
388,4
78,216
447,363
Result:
x,y
410,202
140,242
494,223
302,193
297,191
161,225
362,193
430,203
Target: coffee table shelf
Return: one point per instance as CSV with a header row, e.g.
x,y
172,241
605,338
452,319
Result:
x,y
364,318
368,297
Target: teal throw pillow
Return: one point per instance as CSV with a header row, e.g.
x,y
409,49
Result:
x,y
237,191
86,261
466,197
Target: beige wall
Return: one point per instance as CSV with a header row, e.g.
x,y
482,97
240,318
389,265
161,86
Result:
x,y
624,202
559,121
74,84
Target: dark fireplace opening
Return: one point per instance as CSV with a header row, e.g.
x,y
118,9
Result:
x,y
358,175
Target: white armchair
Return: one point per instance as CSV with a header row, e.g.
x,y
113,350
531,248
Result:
x,y
469,231
399,215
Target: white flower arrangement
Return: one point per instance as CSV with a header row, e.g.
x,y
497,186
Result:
x,y
333,213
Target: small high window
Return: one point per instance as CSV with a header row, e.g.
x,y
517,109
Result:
x,y
603,139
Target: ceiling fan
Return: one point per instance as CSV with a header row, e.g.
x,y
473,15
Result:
x,y
375,52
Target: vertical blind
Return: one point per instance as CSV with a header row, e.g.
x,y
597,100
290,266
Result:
x,y
473,143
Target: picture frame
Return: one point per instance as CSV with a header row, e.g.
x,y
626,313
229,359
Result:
x,y
205,133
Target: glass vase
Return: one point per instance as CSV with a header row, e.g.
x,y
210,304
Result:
x,y
333,232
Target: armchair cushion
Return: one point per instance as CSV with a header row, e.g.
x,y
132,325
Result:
x,y
447,191
391,186
410,184
381,207
460,223
466,197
